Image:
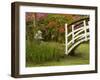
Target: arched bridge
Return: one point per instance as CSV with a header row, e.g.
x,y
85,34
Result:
x,y
76,33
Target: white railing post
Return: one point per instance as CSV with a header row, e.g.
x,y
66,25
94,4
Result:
x,y
72,33
66,39
85,30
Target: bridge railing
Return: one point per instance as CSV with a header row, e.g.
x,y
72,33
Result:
x,y
79,33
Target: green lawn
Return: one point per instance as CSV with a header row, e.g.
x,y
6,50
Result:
x,y
52,54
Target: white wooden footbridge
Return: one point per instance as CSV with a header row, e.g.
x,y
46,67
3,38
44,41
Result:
x,y
79,32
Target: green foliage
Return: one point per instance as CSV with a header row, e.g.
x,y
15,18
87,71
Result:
x,y
44,51
51,27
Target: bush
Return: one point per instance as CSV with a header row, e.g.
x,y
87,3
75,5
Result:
x,y
44,51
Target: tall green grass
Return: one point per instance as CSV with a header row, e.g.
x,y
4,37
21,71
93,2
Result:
x,y
43,51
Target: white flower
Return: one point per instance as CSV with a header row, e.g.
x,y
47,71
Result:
x,y
38,35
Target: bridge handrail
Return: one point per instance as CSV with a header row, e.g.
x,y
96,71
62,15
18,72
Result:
x,y
79,29
77,34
